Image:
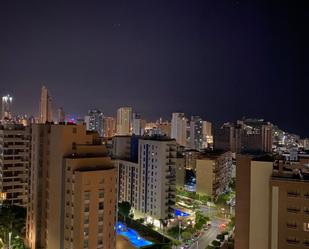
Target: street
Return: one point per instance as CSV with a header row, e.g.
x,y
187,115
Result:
x,y
210,234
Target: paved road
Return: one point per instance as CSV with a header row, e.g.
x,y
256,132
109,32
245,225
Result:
x,y
209,235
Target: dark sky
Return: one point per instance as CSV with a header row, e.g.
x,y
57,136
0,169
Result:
x,y
218,59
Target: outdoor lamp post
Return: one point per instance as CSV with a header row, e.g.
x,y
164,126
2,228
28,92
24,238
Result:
x,y
10,238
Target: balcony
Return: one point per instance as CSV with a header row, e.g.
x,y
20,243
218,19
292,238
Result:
x,y
170,190
291,225
292,241
293,194
293,210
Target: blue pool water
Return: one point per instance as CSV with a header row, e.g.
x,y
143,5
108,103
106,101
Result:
x,y
132,235
180,213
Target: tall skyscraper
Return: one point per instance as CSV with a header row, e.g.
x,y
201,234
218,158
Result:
x,y
207,134
138,125
61,115
46,112
94,121
14,163
109,126
6,108
179,128
124,121
196,133
72,196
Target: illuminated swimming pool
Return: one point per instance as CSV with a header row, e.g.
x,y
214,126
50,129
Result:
x,y
132,235
180,213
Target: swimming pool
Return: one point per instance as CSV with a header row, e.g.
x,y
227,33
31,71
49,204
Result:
x,y
180,213
132,235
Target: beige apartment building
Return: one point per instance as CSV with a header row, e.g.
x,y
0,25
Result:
x,y
289,206
272,202
252,201
14,163
213,173
72,201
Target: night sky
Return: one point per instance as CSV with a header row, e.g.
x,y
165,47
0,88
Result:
x,y
218,59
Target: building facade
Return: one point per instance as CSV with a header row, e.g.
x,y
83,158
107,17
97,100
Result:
x,y
109,127
124,121
72,197
14,163
6,108
179,128
94,121
253,199
213,173
150,183
46,110
244,136
196,133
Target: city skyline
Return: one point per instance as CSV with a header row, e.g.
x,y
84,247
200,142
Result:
x,y
198,58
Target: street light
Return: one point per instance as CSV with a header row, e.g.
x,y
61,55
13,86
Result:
x,y
10,238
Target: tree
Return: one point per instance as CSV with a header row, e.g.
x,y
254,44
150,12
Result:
x,y
124,209
200,220
12,220
186,235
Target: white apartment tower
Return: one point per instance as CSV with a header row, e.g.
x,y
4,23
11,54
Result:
x,y
179,128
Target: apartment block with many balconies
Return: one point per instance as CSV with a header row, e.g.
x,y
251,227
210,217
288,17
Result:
x,y
72,198
14,163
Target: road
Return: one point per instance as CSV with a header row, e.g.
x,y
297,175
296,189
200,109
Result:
x,y
209,235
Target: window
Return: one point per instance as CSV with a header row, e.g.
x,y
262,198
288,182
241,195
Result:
x,y
85,243
86,209
306,226
87,195
100,217
101,205
101,193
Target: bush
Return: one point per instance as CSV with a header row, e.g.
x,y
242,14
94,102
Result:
x,y
186,235
220,237
216,243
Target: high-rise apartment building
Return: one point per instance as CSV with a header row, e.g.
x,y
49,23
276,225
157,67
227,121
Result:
x,y
72,197
213,173
46,111
252,202
289,206
61,115
109,127
245,136
207,134
150,183
94,121
124,121
14,163
196,133
272,202
179,128
159,128
6,107
138,125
